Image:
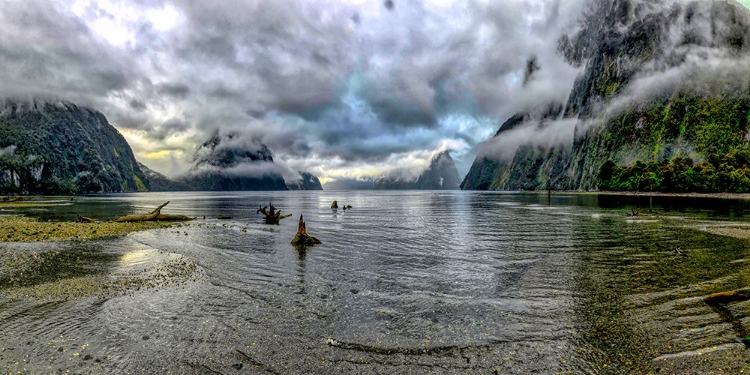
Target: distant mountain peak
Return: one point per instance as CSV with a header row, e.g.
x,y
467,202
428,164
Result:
x,y
442,174
234,161
230,150
307,181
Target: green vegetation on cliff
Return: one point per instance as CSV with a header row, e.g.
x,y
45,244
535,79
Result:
x,y
59,147
663,99
683,144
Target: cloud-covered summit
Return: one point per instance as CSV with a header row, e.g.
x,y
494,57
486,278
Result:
x,y
343,89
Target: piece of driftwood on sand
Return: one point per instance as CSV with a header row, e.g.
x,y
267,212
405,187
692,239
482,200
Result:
x,y
154,215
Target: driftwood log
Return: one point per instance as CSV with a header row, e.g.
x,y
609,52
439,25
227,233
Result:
x,y
302,239
719,301
84,219
155,215
728,297
272,217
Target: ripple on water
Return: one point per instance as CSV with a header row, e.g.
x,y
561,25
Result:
x,y
414,282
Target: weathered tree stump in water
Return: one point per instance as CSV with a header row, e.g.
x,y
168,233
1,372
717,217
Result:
x,y
272,217
155,215
302,239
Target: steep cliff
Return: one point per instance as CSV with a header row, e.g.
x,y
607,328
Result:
x,y
664,97
59,147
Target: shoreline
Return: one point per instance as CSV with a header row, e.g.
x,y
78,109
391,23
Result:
x,y
737,196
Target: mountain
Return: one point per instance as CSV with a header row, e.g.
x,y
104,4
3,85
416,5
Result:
x,y
59,147
662,103
160,182
442,174
231,162
308,181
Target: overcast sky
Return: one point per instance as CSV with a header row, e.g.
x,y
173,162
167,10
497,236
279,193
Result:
x,y
340,88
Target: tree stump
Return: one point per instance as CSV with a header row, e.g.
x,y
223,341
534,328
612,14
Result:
x,y
302,239
272,217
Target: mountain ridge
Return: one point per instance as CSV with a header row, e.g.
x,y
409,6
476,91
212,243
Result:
x,y
630,107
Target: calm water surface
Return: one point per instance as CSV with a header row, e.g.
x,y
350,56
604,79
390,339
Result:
x,y
405,282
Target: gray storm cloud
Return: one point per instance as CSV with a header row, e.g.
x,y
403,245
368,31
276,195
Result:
x,y
326,85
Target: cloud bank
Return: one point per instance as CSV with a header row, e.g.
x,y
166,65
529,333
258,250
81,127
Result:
x,y
342,88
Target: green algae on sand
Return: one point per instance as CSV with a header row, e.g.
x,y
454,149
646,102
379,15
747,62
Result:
x,y
24,229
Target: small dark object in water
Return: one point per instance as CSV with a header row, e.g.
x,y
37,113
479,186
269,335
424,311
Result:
x,y
87,357
354,291
335,205
237,366
678,251
145,337
224,217
388,4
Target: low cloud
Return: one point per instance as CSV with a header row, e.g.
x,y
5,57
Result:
x,y
541,135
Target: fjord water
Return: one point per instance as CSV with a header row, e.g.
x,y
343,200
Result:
x,y
420,282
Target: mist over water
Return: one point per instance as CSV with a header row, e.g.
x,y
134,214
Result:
x,y
452,282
